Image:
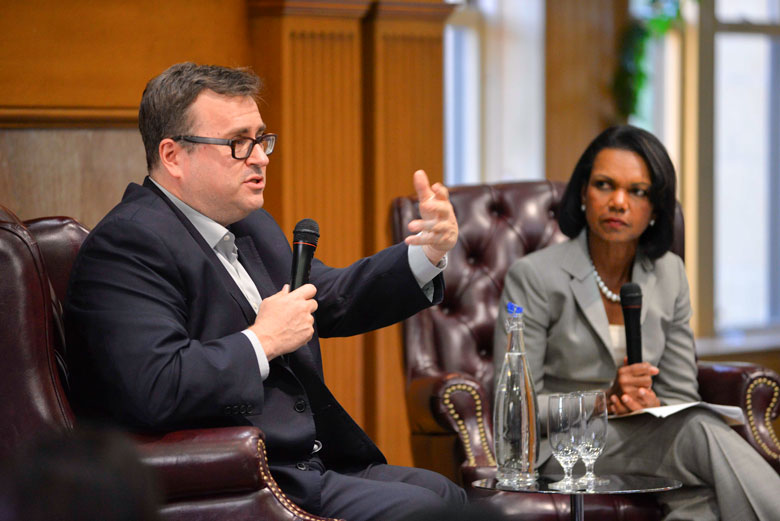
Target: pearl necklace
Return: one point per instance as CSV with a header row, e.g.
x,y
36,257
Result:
x,y
603,287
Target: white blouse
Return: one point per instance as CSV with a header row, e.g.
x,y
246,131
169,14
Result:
x,y
617,334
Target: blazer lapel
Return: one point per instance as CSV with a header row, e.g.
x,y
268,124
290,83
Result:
x,y
253,264
224,276
585,291
644,275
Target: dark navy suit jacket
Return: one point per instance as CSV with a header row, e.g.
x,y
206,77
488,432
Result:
x,y
154,325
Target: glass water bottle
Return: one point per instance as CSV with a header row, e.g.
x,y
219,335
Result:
x,y
515,415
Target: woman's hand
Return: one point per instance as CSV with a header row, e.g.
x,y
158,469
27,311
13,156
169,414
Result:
x,y
632,389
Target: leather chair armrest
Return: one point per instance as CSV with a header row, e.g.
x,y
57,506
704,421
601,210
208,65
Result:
x,y
756,390
215,462
192,463
219,463
456,403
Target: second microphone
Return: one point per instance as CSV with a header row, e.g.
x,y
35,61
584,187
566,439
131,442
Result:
x,y
631,300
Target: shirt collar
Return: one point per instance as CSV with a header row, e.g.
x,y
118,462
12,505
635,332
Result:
x,y
210,229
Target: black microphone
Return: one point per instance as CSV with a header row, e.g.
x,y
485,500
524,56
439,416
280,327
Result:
x,y
305,236
631,300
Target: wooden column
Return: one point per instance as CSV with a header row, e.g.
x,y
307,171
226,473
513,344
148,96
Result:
x,y
582,41
403,131
308,54
354,90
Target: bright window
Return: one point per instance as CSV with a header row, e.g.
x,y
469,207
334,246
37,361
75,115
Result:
x,y
744,191
746,165
494,91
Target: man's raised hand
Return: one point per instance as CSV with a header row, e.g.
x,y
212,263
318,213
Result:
x,y
436,230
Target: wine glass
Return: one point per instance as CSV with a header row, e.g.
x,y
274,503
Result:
x,y
593,435
563,430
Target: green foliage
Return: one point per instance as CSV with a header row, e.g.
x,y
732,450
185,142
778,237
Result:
x,y
660,25
632,74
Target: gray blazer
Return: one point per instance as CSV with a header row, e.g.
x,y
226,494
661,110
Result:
x,y
567,333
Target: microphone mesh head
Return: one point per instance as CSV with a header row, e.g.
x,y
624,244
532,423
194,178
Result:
x,y
307,230
631,294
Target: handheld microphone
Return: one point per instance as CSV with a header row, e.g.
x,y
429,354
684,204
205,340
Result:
x,y
305,236
631,300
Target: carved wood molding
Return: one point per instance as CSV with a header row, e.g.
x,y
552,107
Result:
x,y
58,117
342,9
427,9
431,10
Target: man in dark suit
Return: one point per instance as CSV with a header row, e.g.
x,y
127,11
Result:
x,y
179,314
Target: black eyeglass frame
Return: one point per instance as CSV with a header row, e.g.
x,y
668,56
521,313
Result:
x,y
270,140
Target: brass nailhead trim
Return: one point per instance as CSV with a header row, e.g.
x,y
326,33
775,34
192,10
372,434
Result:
x,y
277,492
462,431
767,416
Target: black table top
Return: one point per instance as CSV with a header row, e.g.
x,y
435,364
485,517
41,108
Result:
x,y
618,484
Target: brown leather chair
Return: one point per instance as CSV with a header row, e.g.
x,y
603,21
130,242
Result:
x,y
449,349
215,474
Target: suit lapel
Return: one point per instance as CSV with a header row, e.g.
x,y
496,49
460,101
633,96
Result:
x,y
253,264
585,291
644,275
250,258
224,276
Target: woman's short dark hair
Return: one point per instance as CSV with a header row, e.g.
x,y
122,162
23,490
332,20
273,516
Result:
x,y
657,239
165,104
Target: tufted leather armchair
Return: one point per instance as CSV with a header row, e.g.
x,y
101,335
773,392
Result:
x,y
210,474
449,349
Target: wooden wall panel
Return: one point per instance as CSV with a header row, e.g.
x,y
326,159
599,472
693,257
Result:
x,y
404,111
581,41
80,173
313,100
78,62
74,64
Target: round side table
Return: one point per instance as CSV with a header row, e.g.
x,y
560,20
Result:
x,y
618,484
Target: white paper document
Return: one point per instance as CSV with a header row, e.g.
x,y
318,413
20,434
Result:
x,y
731,414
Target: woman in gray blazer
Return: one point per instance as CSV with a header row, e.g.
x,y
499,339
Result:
x,y
618,210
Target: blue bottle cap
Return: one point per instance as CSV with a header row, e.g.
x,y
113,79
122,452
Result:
x,y
513,309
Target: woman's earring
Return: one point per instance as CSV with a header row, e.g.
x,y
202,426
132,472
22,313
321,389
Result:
x,y
582,207
652,222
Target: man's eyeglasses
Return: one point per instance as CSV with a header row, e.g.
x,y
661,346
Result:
x,y
240,147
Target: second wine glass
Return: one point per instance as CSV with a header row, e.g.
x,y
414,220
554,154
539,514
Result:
x,y
593,435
